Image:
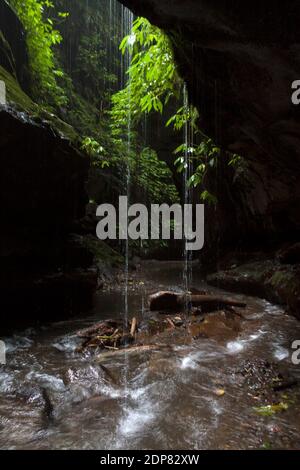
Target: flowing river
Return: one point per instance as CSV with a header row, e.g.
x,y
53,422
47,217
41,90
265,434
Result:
x,y
190,397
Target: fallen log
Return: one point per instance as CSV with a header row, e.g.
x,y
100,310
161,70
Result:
x,y
173,301
211,302
164,301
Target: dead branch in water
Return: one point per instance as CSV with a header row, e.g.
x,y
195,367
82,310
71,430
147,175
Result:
x,y
171,323
172,301
133,326
107,327
132,350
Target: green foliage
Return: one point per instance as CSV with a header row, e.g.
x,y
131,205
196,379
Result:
x,y
203,157
151,78
183,116
95,151
151,179
152,75
270,410
152,81
154,177
41,38
236,160
90,64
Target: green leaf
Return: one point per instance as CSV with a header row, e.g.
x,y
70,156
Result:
x,y
270,410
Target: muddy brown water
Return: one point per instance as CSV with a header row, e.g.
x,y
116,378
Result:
x,y
161,399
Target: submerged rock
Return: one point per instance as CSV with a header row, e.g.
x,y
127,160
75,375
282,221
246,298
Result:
x,y
265,379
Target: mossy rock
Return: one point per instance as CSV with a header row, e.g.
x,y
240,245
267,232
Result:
x,y
20,101
6,53
103,252
15,95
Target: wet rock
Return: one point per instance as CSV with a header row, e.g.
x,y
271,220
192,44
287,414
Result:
x,y
48,405
28,298
266,279
265,379
13,48
178,321
216,326
126,339
41,166
290,255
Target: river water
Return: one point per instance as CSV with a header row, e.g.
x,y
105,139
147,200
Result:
x,y
190,397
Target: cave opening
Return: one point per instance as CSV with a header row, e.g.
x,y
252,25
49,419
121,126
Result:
x,y
149,255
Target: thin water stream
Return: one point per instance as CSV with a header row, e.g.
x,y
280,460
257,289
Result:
x,y
169,401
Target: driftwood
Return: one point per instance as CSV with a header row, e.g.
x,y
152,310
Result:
x,y
172,301
108,334
171,323
130,350
107,328
133,326
212,302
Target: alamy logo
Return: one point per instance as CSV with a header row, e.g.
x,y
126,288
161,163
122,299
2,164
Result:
x,y
2,92
134,223
2,353
296,354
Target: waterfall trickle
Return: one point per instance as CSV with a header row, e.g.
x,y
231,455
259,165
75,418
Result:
x,y
188,169
127,23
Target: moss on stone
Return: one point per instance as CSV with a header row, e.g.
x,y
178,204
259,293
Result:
x,y
5,51
286,283
102,252
17,99
15,95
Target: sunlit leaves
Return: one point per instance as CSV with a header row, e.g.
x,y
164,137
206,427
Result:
x,y
151,75
152,81
159,186
41,37
270,410
96,152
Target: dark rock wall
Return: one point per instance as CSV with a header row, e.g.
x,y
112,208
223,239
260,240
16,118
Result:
x,y
13,51
239,60
43,176
42,181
